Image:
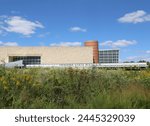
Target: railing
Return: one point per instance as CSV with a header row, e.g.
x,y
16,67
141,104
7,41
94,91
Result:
x,y
91,65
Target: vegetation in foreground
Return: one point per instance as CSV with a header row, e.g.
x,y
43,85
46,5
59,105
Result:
x,y
74,88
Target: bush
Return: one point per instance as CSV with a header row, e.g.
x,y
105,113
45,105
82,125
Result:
x,y
74,88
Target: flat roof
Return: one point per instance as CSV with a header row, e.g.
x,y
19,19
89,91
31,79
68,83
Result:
x,y
108,49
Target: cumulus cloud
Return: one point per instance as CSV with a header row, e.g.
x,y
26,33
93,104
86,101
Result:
x,y
145,56
148,51
20,25
133,57
14,12
8,43
135,17
44,34
138,58
66,44
1,31
118,43
77,29
1,23
3,16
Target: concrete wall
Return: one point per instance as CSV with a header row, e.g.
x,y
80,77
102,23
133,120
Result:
x,y
50,55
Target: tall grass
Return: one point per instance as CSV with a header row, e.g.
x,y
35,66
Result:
x,y
74,88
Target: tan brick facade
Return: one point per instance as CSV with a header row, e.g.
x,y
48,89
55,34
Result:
x,y
50,55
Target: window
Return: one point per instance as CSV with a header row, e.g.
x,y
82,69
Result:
x,y
27,60
108,56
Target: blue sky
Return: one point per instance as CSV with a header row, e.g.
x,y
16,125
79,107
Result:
x,y
122,24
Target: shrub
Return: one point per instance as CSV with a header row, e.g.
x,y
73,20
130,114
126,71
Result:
x,y
74,88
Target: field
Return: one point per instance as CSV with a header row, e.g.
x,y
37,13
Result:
x,y
74,88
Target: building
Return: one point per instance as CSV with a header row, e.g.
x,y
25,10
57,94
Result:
x,y
47,55
89,53
109,56
86,56
94,44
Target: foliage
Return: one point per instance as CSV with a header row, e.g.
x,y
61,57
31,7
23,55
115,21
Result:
x,y
148,63
74,88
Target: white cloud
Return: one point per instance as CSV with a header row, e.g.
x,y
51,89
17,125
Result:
x,y
14,12
1,31
8,43
1,24
66,44
138,58
20,25
135,17
148,51
44,35
133,57
3,16
77,29
118,43
41,43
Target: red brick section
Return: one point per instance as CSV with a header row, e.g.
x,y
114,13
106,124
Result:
x,y
94,44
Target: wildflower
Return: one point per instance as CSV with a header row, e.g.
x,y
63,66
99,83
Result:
x,y
17,83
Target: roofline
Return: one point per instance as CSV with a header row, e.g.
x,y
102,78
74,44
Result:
x,y
44,46
107,49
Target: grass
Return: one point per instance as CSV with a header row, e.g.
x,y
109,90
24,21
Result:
x,y
74,88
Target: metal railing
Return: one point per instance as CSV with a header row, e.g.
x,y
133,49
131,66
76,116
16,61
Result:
x,y
91,65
